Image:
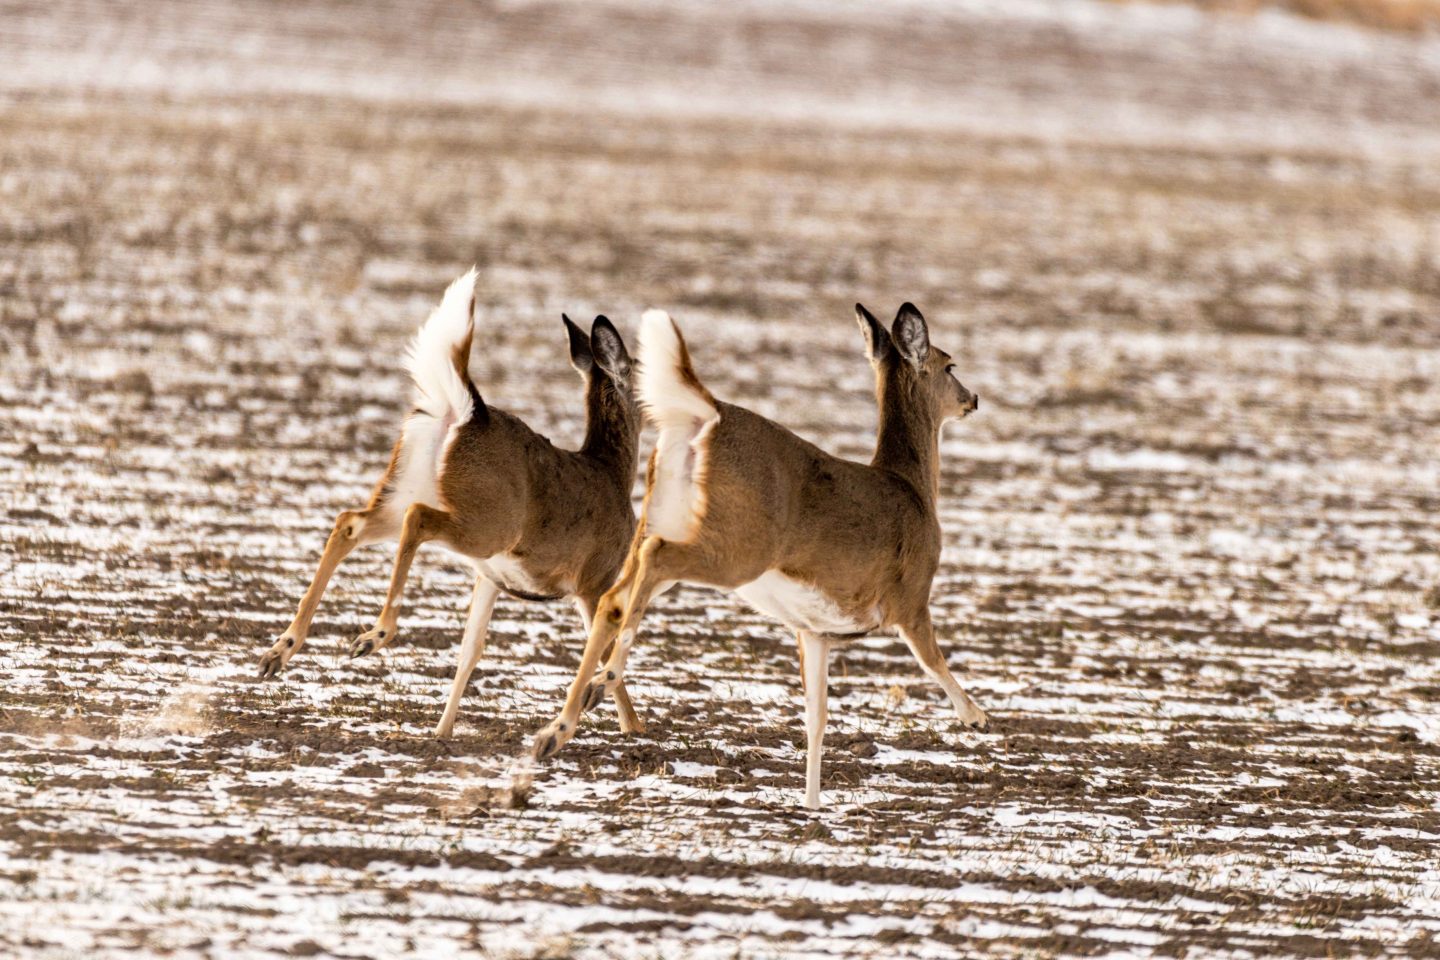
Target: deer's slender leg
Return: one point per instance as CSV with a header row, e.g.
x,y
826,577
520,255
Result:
x,y
814,677
920,636
353,528
651,581
477,625
617,617
630,722
422,523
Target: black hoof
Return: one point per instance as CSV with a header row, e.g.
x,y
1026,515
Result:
x,y
269,666
545,749
594,695
361,648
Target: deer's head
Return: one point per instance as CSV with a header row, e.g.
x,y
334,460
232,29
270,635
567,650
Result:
x,y
907,367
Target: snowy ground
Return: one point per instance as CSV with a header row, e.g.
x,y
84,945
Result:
x,y
1191,564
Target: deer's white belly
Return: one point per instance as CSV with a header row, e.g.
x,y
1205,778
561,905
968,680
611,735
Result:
x,y
507,573
799,605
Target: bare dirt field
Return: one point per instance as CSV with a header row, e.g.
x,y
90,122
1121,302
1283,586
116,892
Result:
x,y
1191,568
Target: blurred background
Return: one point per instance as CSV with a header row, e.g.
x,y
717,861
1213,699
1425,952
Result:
x,y
1188,253
1195,235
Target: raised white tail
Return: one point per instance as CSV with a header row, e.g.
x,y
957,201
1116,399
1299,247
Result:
x,y
677,402
669,388
441,388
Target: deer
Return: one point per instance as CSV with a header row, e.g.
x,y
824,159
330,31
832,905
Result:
x,y
533,521
834,549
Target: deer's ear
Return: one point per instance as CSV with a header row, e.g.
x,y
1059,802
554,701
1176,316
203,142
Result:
x,y
911,336
609,349
877,341
580,356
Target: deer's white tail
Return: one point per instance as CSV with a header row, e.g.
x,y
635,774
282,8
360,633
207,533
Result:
x,y
442,380
677,402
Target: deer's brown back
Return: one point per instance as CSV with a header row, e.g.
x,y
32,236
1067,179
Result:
x,y
564,515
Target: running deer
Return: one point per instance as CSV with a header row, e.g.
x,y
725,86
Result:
x,y
536,522
831,548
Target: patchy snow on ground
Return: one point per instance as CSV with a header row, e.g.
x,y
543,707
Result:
x,y
1191,557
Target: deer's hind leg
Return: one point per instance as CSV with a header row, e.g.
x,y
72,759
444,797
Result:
x,y
422,523
353,528
652,568
630,721
919,635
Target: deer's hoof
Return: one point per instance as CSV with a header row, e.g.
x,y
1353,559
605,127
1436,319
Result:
x,y
549,741
546,746
370,641
270,665
594,696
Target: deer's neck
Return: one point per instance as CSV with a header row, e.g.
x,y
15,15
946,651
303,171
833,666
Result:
x,y
611,428
908,443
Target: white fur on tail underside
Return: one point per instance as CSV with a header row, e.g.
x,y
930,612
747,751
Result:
x,y
685,416
438,388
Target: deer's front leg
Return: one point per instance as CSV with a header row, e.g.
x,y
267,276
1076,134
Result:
x,y
353,528
422,523
814,678
477,623
919,634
